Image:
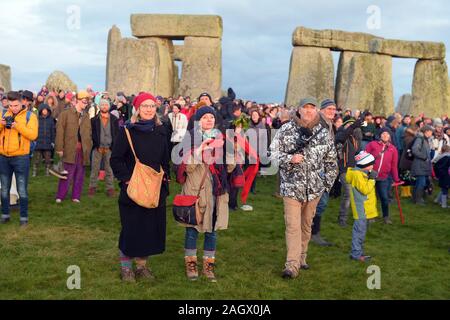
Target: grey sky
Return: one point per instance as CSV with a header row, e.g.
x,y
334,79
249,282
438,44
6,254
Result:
x,y
256,39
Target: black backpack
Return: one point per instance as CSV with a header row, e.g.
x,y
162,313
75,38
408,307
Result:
x,y
408,152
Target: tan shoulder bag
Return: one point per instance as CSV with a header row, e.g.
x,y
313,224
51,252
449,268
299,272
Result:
x,y
145,183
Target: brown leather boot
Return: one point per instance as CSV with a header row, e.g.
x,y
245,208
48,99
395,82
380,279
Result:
x,y
127,275
208,268
190,263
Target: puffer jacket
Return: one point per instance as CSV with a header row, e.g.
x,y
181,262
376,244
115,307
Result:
x,y
386,159
47,129
363,198
421,165
309,179
16,141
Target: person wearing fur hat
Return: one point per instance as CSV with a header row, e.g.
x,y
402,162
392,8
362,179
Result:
x,y
45,141
363,201
143,230
73,143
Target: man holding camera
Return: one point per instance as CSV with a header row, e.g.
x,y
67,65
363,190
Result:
x,y
17,130
306,155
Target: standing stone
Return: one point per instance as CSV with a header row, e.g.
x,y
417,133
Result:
x,y
60,81
404,104
430,90
5,77
202,67
164,79
364,81
311,75
176,79
132,65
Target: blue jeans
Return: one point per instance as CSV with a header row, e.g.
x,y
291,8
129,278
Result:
x,y
20,166
358,237
191,237
322,205
421,182
382,187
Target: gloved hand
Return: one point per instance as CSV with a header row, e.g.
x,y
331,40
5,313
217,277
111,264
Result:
x,y
373,174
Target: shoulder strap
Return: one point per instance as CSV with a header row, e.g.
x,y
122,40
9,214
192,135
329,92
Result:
x,y
28,116
131,144
203,180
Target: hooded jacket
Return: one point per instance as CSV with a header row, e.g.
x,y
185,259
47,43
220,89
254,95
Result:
x,y
386,159
16,141
363,199
47,129
309,179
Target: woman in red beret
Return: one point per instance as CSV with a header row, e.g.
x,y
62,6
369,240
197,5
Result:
x,y
143,232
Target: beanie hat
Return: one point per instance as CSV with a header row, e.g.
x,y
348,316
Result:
x,y
69,96
141,98
326,103
437,122
202,111
427,128
385,129
205,94
104,101
306,101
364,159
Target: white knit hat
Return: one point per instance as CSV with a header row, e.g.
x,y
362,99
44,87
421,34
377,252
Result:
x,y
364,159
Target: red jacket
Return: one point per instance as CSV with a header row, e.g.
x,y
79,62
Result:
x,y
385,162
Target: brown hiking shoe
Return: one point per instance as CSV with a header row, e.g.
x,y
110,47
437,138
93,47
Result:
x,y
111,193
290,271
92,191
144,273
191,267
127,275
208,268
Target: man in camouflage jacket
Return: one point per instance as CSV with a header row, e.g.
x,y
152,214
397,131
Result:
x,y
306,156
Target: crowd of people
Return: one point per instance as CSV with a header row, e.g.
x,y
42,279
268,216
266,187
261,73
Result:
x,y
321,150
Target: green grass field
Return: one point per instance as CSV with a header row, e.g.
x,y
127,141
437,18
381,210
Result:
x,y
413,258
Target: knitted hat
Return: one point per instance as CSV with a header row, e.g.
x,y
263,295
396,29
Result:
x,y
141,98
69,96
306,101
427,128
104,101
437,122
202,111
326,103
364,159
205,94
385,129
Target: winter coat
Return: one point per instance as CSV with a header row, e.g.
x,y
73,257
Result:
x,y
96,124
206,203
317,172
409,136
143,231
67,129
363,199
421,165
348,144
386,159
47,129
442,169
16,141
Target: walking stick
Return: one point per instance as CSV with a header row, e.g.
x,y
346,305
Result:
x,y
402,218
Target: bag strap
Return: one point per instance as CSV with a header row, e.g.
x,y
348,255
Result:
x,y
131,144
203,180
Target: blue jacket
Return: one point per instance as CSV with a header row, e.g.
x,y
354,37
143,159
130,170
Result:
x,y
46,131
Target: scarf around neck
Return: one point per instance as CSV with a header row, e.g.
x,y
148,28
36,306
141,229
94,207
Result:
x,y
141,125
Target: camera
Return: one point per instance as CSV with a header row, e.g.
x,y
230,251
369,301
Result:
x,y
9,121
302,142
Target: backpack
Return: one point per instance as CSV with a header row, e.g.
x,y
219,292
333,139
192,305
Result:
x,y
32,143
408,152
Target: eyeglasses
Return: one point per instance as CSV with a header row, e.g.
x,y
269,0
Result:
x,y
84,101
147,106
